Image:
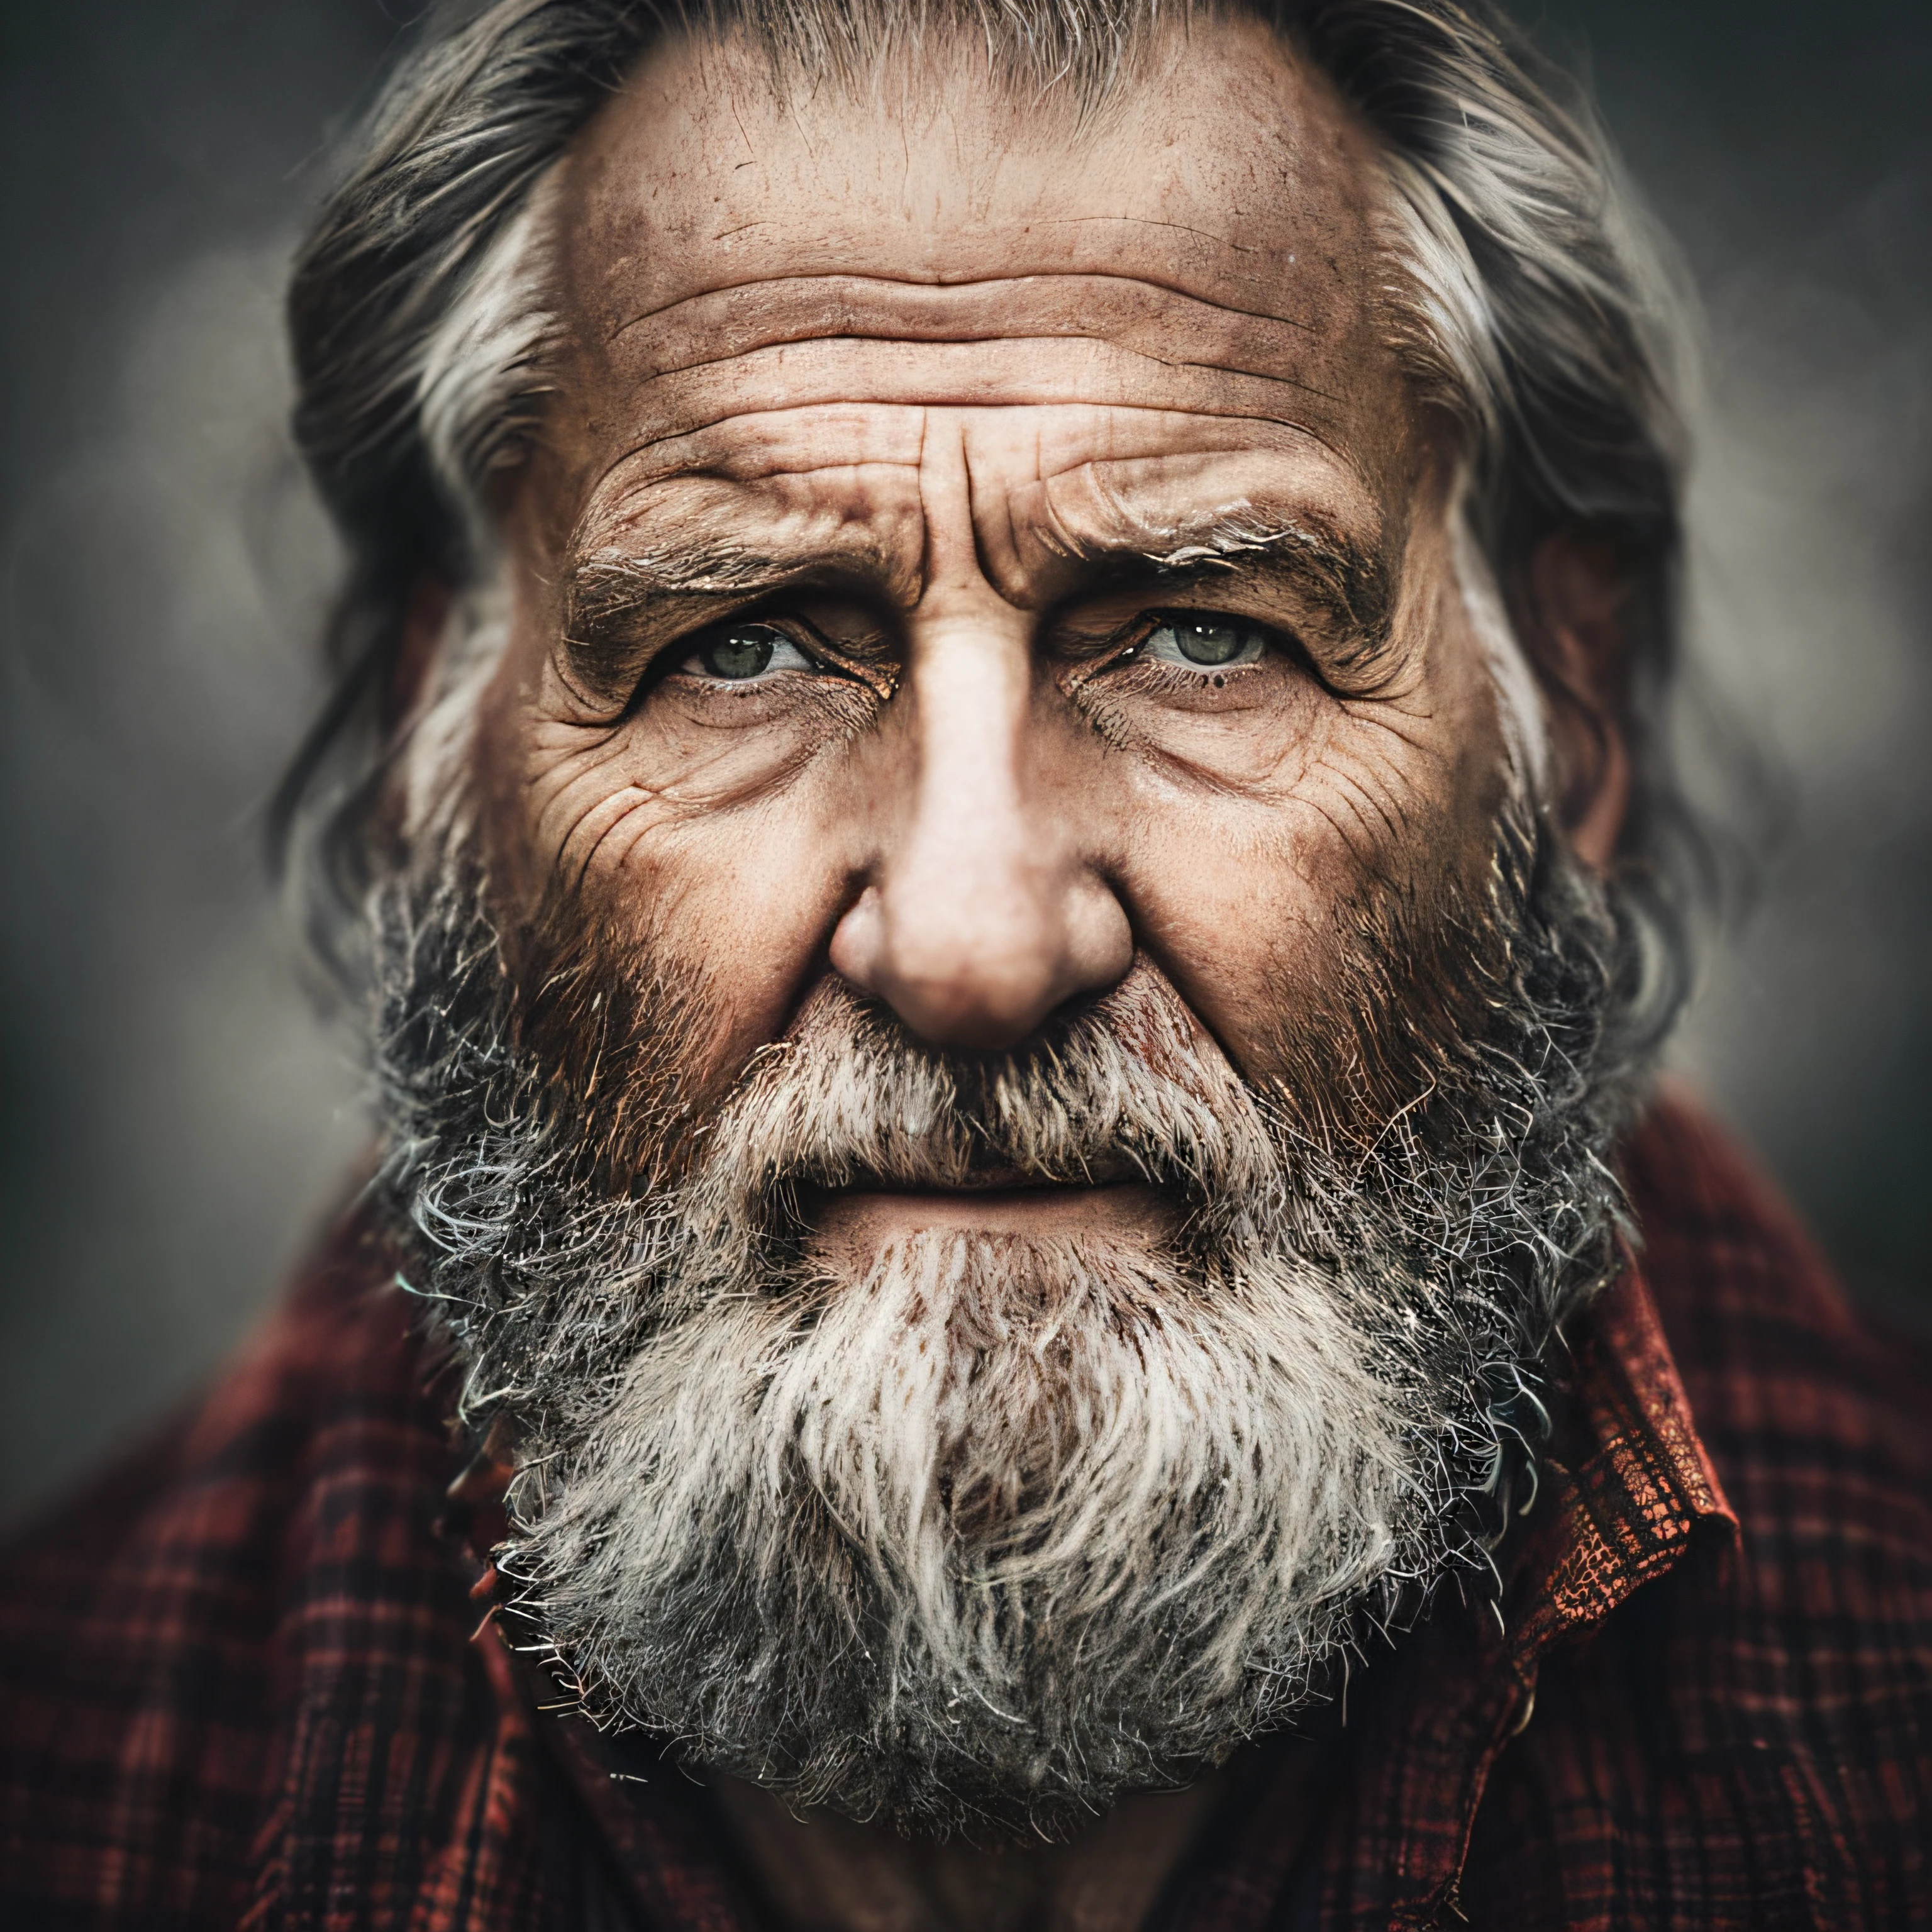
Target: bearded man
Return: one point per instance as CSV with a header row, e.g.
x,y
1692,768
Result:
x,y
998,783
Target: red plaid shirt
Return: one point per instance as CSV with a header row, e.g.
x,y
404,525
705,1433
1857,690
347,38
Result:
x,y
242,1682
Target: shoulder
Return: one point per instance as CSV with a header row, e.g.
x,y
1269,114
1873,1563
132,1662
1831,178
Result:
x,y
1747,1738
155,1620
1759,1722
1815,1413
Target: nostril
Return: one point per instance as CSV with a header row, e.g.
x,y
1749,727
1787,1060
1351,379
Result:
x,y
983,1005
968,971
858,941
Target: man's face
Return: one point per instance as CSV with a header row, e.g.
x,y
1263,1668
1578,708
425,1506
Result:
x,y
978,554
1022,1082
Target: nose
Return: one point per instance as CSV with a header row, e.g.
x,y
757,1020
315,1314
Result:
x,y
984,912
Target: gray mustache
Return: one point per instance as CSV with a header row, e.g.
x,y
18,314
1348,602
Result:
x,y
1129,1089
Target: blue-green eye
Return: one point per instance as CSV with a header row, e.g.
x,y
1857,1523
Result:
x,y
1211,644
740,653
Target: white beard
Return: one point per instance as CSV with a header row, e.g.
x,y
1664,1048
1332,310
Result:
x,y
992,1528
1001,1509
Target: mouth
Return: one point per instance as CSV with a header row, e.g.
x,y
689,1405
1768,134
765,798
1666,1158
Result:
x,y
871,1213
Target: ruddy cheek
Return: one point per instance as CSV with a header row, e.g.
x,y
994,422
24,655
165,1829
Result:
x,y
1242,898
745,904
687,753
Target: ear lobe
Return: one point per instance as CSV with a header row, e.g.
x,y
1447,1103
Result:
x,y
1576,605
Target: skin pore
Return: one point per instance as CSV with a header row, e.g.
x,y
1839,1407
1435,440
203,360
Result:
x,y
980,552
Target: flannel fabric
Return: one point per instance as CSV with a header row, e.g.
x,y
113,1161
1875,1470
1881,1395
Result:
x,y
244,1683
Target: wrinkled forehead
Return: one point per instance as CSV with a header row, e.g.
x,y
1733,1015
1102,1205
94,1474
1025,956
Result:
x,y
764,278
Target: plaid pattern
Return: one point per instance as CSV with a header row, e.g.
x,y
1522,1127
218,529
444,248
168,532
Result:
x,y
243,1680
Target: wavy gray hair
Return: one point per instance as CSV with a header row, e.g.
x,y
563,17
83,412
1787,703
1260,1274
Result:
x,y
1539,311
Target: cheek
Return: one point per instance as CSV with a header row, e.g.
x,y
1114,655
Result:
x,y
699,830
1244,895
589,792
744,901
731,889
1232,899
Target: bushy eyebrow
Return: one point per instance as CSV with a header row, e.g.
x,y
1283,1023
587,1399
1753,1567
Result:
x,y
1349,584
604,594
613,580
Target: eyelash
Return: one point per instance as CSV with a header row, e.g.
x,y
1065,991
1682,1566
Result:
x,y
671,660
1128,645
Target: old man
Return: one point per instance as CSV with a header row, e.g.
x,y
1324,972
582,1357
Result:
x,y
998,790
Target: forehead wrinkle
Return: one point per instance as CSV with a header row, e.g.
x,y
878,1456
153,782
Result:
x,y
710,466
1110,343
722,511
965,397
913,293
1134,492
1150,221
719,531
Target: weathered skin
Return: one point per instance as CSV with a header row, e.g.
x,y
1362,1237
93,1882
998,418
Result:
x,y
920,377
947,365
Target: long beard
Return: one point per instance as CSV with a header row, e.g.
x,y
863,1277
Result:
x,y
988,1530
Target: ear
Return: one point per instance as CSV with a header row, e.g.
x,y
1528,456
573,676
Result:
x,y
1575,605
424,618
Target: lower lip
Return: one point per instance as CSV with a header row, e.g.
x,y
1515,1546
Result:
x,y
871,1220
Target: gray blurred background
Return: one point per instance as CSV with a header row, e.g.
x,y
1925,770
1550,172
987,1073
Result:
x,y
174,1121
